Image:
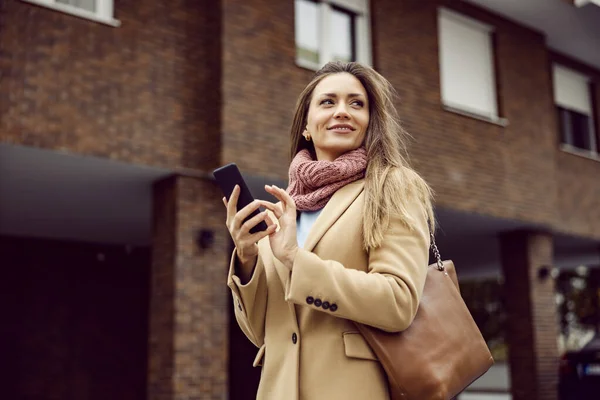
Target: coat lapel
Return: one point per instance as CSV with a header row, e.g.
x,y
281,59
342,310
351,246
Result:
x,y
334,208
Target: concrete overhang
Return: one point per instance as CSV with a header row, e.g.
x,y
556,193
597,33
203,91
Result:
x,y
571,28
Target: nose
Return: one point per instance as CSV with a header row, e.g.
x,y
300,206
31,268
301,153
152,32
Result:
x,y
341,112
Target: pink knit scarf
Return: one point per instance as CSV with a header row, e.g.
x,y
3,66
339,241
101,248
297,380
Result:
x,y
312,183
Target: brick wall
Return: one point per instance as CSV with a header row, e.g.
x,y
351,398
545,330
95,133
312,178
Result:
x,y
146,92
578,195
73,326
474,166
189,318
532,326
197,83
161,90
260,84
578,177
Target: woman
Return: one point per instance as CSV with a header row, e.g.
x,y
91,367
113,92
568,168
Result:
x,y
347,242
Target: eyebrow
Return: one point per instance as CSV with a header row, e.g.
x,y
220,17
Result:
x,y
335,95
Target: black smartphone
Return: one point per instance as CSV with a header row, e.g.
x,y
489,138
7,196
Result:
x,y
227,177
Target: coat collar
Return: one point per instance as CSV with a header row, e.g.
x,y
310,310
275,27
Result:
x,y
332,211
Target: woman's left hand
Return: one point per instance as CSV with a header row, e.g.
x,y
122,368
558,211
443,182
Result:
x,y
284,242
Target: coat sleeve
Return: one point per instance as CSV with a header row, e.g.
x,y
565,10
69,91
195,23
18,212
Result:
x,y
386,296
250,301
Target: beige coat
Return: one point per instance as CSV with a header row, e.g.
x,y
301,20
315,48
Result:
x,y
309,348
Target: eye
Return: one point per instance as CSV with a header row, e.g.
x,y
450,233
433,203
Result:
x,y
326,102
358,103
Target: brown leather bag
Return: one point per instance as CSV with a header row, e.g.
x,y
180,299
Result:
x,y
442,351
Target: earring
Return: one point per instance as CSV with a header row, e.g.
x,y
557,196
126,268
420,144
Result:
x,y
307,137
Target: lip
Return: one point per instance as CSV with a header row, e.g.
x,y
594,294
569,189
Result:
x,y
341,128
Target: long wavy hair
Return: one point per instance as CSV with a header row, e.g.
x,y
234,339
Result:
x,y
390,183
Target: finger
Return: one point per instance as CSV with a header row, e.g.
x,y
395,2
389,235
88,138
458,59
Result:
x,y
255,237
224,201
283,196
245,213
289,201
269,221
232,203
275,208
252,222
273,191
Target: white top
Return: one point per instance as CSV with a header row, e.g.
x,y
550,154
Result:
x,y
305,223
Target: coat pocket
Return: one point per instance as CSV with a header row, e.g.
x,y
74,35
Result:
x,y
355,346
258,360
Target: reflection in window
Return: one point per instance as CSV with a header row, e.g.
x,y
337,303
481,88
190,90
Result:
x,y
576,129
331,30
484,299
578,301
307,31
341,35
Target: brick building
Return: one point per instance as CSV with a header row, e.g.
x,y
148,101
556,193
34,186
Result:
x,y
113,114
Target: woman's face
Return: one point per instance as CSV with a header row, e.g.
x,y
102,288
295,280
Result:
x,y
338,116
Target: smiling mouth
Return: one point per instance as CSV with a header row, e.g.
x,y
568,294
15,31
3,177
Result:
x,y
342,128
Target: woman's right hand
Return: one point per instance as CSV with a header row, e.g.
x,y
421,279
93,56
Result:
x,y
246,242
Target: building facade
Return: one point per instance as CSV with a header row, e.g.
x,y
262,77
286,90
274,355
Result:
x,y
114,114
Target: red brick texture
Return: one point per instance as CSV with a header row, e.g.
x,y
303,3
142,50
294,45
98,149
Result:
x,y
189,301
146,92
512,172
162,90
578,177
260,84
533,324
189,84
475,165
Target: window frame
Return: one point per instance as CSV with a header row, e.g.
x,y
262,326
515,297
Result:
x,y
360,37
104,15
491,79
594,135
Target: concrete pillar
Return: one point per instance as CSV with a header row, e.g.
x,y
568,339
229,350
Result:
x,y
189,299
532,315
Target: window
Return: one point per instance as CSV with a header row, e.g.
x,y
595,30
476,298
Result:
x,y
467,77
572,96
581,3
331,30
96,10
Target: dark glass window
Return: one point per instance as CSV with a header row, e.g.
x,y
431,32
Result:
x,y
577,129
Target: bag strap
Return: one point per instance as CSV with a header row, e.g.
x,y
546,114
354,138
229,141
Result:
x,y
436,252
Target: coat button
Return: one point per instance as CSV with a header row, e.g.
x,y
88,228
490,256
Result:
x,y
325,305
333,307
294,338
310,299
318,302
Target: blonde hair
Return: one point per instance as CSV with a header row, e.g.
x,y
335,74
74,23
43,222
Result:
x,y
390,183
